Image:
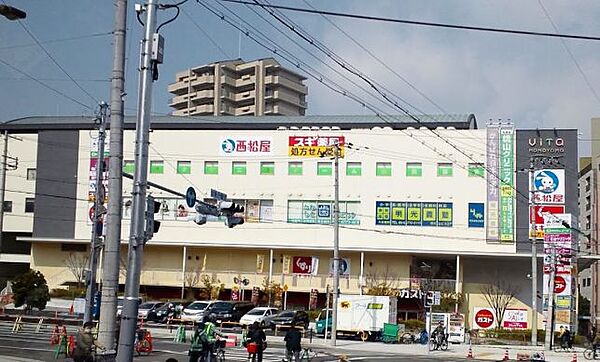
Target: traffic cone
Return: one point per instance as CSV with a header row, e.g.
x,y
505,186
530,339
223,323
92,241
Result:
x,y
470,354
505,358
574,359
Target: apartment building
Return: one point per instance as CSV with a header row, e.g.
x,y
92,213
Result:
x,y
586,200
237,88
414,210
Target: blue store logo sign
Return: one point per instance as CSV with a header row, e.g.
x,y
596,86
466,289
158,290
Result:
x,y
228,145
476,215
546,182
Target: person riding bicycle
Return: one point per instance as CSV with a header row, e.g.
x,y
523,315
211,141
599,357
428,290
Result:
x,y
565,338
200,344
293,344
439,334
257,335
211,332
85,344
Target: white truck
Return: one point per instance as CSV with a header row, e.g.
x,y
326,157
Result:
x,y
364,315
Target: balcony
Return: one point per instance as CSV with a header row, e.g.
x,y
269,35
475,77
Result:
x,y
178,88
179,101
203,82
284,82
199,97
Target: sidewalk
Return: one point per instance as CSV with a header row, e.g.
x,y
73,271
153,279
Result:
x,y
17,359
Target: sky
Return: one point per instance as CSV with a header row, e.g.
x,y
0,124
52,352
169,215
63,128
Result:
x,y
532,81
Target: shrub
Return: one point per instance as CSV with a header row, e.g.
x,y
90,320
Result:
x,y
413,324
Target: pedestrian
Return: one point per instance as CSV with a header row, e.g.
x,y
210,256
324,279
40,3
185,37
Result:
x,y
293,343
85,344
199,344
258,337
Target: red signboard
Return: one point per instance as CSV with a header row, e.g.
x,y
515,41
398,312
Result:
x,y
560,284
302,264
540,210
484,318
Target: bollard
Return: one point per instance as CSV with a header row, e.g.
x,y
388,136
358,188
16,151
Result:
x,y
18,325
39,325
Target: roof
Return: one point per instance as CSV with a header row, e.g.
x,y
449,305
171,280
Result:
x,y
35,123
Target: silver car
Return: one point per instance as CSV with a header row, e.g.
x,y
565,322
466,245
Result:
x,y
196,311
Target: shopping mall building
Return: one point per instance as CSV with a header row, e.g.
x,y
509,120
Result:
x,y
420,204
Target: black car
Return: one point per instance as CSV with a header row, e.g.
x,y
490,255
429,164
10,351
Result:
x,y
288,317
162,314
229,311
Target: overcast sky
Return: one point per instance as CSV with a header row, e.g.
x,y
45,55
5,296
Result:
x,y
531,80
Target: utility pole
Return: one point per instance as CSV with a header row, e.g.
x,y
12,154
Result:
x,y
3,185
533,237
336,242
550,314
112,240
96,244
137,236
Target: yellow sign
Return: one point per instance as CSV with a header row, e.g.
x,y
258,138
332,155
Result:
x,y
285,287
315,146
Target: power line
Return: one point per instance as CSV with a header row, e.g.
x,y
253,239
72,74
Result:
x,y
60,40
207,35
46,85
568,50
56,62
421,23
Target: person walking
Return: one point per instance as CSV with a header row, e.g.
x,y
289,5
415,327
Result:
x,y
257,336
293,344
85,344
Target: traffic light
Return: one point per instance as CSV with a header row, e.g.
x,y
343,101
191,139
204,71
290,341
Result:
x,y
229,209
12,13
202,210
152,226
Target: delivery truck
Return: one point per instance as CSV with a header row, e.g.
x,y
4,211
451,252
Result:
x,y
361,315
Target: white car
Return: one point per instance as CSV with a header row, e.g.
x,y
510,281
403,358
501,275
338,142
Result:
x,y
261,315
196,311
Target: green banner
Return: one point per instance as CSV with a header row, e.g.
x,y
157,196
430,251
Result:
x,y
507,184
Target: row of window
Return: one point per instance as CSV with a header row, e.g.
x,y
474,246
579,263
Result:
x,y
296,168
29,205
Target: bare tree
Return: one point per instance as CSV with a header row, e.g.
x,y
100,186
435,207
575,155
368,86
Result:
x,y
384,283
77,264
212,286
499,295
192,280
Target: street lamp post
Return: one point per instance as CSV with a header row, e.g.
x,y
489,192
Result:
x,y
12,13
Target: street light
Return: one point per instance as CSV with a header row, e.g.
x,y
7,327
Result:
x,y
12,13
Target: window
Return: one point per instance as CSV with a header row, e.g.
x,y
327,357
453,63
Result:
x,y
29,204
324,169
31,173
7,206
444,169
383,169
238,168
157,167
414,169
476,170
184,167
82,248
295,168
353,169
211,167
129,166
267,168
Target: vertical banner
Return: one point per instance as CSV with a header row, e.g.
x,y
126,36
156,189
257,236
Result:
x,y
287,264
260,263
507,184
492,183
255,295
312,303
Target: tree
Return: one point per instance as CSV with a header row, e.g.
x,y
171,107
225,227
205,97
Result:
x,y
499,295
192,280
30,289
77,264
385,283
212,286
271,293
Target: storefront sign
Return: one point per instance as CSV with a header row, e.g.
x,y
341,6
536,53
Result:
x,y
321,212
515,319
402,213
315,146
483,318
312,303
476,215
344,266
506,175
549,186
492,183
546,145
305,265
245,146
260,263
542,213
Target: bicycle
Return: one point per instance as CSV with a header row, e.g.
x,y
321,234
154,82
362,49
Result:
x,y
439,342
306,354
590,354
215,354
407,338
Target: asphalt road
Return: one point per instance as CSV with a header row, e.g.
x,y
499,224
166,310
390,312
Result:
x,y
31,346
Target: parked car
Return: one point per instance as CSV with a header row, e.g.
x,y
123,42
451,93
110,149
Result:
x,y
261,315
287,317
148,310
196,311
120,305
162,314
229,311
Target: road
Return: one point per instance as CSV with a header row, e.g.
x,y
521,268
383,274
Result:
x,y
31,346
